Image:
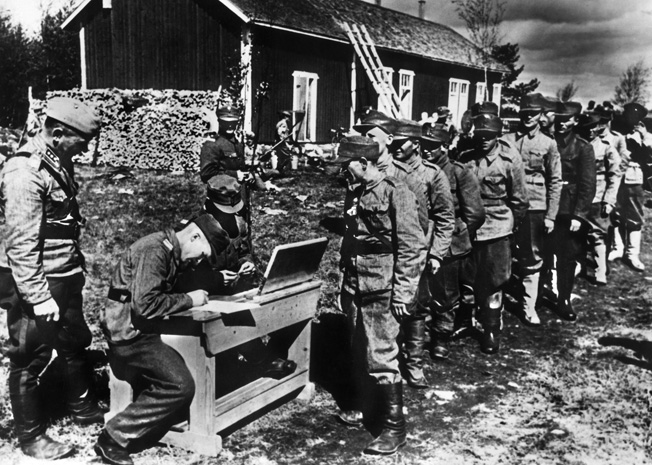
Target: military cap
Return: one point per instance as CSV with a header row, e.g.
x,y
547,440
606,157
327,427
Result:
x,y
484,108
435,133
549,104
633,113
376,119
228,113
443,111
285,114
606,113
75,114
490,124
408,128
568,108
356,147
216,236
532,101
226,193
588,120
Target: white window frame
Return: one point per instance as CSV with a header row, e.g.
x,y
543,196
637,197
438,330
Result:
x,y
496,95
406,91
388,75
480,89
307,132
458,98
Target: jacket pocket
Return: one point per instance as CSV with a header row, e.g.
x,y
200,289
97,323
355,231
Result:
x,y
493,187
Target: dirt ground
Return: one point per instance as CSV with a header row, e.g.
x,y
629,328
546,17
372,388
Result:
x,y
553,395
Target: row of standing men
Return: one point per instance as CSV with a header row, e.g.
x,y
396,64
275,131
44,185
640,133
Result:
x,y
441,230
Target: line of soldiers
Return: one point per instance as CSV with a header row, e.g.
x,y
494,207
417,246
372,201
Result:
x,y
442,229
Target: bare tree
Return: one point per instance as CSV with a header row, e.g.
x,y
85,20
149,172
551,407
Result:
x,y
568,91
483,19
633,86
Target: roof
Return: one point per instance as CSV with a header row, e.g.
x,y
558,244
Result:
x,y
389,29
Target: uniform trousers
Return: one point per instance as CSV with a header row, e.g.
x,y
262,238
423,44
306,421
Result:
x,y
31,341
493,262
451,287
373,330
569,247
529,240
163,390
631,198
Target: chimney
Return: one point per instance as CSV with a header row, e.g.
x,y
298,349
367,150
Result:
x,y
422,9
378,2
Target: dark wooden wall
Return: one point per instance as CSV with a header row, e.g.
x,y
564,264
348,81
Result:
x,y
171,44
278,54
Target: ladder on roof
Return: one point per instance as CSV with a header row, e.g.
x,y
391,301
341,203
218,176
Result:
x,y
366,50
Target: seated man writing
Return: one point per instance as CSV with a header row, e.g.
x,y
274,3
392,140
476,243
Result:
x,y
142,289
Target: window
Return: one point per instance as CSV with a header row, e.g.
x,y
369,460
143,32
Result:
x,y
388,74
480,90
305,100
498,88
405,92
458,99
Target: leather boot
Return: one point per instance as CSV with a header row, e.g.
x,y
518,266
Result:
x,y
80,400
617,247
414,330
110,451
490,341
600,254
463,324
530,295
439,346
565,286
43,447
393,434
85,411
633,251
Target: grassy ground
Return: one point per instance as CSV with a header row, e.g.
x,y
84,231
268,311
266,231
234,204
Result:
x,y
552,396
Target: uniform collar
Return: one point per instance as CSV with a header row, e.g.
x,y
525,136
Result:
x,y
530,134
172,244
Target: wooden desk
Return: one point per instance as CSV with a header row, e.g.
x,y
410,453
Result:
x,y
199,335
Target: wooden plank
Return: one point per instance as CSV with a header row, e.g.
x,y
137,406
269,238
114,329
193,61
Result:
x,y
266,319
210,445
257,395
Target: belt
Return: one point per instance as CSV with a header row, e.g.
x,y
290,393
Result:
x,y
367,248
53,231
493,202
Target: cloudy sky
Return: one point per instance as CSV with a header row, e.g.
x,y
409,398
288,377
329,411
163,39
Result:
x,y
589,41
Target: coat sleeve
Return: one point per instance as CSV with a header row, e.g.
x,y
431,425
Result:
x,y
553,181
150,296
586,182
470,200
410,245
24,189
442,214
209,160
517,195
613,176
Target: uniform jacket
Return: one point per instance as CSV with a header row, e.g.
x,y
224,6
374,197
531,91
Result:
x,y
141,286
542,169
237,252
384,247
405,173
502,187
578,176
441,210
221,156
34,202
608,173
639,154
467,202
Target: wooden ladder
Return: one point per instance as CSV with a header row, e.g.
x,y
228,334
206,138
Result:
x,y
365,49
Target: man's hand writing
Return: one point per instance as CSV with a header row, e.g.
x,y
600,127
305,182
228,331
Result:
x,y
199,297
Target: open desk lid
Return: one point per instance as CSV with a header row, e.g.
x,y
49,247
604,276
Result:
x,y
292,264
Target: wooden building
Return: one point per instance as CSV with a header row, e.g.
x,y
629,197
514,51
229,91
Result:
x,y
299,48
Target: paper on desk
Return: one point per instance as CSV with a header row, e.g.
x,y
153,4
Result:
x,y
225,306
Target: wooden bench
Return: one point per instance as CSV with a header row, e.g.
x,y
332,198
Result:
x,y
199,335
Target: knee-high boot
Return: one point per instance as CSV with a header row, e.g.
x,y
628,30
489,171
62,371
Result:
x,y
414,332
632,254
393,433
530,295
565,283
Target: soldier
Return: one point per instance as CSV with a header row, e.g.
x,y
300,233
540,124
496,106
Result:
x,y
547,119
578,190
543,180
451,289
41,273
608,174
435,193
637,157
383,254
141,290
224,155
502,187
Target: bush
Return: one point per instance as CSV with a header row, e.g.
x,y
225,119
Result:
x,y
150,129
